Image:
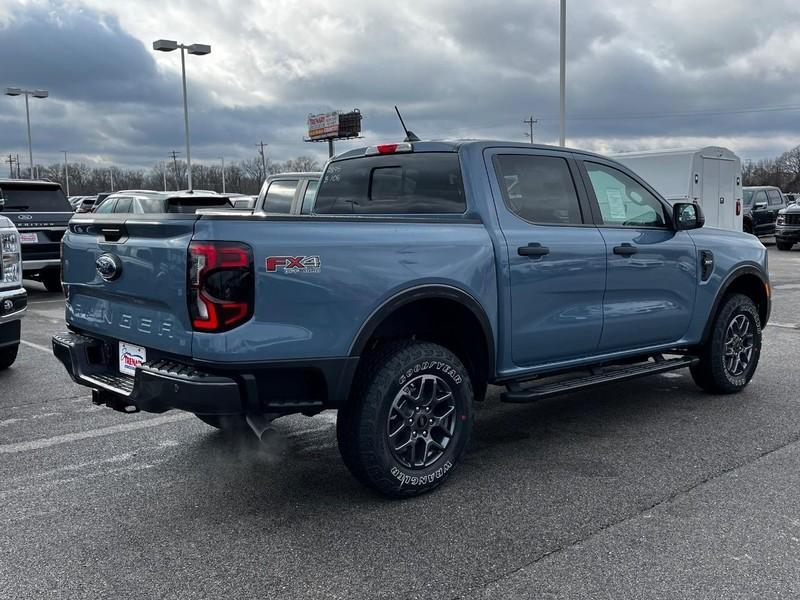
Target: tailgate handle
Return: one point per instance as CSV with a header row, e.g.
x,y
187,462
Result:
x,y
112,233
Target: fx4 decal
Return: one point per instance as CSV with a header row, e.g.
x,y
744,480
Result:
x,y
294,264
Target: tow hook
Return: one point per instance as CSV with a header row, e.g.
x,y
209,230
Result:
x,y
113,401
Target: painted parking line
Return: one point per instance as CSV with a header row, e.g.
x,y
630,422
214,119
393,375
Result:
x,y
91,433
37,346
795,326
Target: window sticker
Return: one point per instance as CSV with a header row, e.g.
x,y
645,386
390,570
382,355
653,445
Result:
x,y
616,204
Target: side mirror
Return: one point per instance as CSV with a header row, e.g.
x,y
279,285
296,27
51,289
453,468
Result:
x,y
687,215
760,205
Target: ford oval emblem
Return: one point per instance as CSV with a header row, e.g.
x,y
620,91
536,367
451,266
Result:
x,y
108,266
24,217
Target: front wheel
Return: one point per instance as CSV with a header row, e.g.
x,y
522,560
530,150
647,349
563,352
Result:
x,y
729,358
409,420
7,356
51,280
783,245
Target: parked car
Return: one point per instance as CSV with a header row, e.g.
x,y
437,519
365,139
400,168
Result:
x,y
787,227
424,272
288,193
710,176
88,203
40,211
13,298
150,202
761,207
792,198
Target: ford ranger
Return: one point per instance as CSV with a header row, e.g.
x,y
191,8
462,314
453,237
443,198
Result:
x,y
425,272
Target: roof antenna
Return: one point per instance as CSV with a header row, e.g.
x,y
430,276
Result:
x,y
410,137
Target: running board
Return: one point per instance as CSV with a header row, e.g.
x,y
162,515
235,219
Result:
x,y
520,395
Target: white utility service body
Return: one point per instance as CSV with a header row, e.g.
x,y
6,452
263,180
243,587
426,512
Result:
x,y
710,176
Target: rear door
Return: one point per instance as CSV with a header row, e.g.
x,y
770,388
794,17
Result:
x,y
556,256
145,302
711,205
652,269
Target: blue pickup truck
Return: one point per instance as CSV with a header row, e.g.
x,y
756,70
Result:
x,y
426,272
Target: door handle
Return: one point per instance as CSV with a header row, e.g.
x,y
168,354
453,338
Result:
x,y
625,249
534,249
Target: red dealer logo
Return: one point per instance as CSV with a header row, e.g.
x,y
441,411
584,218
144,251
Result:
x,y
294,264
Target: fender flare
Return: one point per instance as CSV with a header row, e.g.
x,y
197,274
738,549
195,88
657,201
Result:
x,y
723,289
423,292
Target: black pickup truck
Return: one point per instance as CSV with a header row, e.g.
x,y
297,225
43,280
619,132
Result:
x,y
40,211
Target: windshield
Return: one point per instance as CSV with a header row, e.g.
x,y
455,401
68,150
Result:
x,y
35,198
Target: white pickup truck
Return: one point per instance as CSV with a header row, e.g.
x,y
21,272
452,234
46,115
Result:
x,y
13,298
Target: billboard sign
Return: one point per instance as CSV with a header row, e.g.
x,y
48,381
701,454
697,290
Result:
x,y
323,126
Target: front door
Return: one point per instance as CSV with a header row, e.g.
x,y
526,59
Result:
x,y
652,269
556,257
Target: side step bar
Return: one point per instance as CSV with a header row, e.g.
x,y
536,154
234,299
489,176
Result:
x,y
520,395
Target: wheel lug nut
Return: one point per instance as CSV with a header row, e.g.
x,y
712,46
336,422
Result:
x,y
424,433
417,409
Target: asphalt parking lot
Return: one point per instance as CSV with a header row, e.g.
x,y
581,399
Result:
x,y
648,489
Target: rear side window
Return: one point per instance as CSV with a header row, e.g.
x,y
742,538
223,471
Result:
x,y
279,196
35,198
539,189
148,205
396,184
774,197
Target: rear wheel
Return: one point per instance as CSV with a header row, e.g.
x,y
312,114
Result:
x,y
51,280
409,420
783,245
730,356
7,356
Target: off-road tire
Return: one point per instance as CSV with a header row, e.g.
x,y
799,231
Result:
x,y
711,373
51,280
7,356
362,425
784,245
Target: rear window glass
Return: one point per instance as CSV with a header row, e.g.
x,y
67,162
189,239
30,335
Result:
x,y
190,205
35,198
280,196
424,183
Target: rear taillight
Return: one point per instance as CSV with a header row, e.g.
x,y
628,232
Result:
x,y
738,208
220,283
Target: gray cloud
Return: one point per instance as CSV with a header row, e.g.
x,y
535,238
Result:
x,y
457,69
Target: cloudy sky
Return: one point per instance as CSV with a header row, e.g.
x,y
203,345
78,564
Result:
x,y
641,74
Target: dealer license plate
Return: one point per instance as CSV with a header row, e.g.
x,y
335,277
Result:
x,y
130,357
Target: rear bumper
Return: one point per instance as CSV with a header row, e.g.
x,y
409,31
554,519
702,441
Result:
x,y
162,384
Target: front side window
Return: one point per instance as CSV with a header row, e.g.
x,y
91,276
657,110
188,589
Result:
x,y
539,189
622,200
279,196
760,197
123,205
394,184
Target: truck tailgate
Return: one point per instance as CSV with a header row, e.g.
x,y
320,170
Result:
x,y
142,298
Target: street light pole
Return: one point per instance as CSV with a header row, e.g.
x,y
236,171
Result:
x,y
563,74
26,93
223,174
200,50
66,172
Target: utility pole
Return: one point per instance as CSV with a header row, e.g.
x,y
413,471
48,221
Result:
x,y
260,146
66,172
530,121
223,174
164,173
111,174
175,164
18,173
10,160
563,76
